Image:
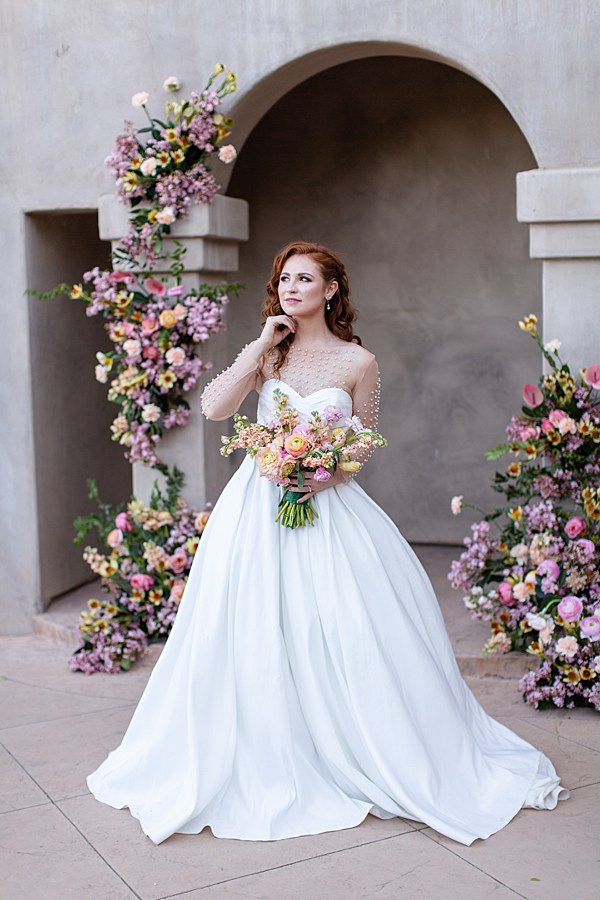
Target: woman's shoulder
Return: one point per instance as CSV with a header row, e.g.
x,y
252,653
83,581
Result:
x,y
363,357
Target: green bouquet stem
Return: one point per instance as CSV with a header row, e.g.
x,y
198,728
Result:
x,y
292,513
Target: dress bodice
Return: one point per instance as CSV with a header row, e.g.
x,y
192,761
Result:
x,y
315,401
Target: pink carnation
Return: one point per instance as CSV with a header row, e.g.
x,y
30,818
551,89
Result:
x,y
123,522
505,592
141,582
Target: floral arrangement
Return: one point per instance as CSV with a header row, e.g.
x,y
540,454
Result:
x,y
284,445
162,168
538,580
148,552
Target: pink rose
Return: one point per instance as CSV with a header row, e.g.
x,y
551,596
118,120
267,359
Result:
x,y
150,352
123,522
556,416
178,561
175,356
322,474
149,324
590,627
575,526
532,395
530,432
114,538
591,375
550,568
177,590
505,593
547,426
141,582
154,286
570,608
588,547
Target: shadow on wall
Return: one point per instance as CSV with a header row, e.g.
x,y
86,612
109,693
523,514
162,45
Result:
x,y
406,167
71,415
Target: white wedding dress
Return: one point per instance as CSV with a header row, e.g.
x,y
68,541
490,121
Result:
x,y
309,680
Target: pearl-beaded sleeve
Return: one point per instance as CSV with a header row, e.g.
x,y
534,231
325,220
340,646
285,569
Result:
x,y
365,405
223,395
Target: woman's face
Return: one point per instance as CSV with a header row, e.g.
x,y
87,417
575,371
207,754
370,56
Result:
x,y
302,287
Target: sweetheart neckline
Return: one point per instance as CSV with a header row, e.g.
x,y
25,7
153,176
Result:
x,y
313,393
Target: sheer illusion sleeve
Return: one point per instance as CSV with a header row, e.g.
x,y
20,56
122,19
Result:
x,y
365,405
223,395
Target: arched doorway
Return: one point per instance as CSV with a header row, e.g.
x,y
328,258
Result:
x,y
406,167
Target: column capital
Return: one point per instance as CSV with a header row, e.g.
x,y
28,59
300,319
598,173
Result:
x,y
562,207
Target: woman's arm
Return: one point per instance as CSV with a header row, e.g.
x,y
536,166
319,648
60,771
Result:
x,y
223,395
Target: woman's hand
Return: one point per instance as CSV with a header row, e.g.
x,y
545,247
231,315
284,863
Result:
x,y
312,486
275,329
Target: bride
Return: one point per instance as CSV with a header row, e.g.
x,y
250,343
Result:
x,y
308,679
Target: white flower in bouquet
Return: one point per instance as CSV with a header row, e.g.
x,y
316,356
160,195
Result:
x,y
552,346
227,154
166,216
172,83
140,99
101,374
148,167
150,412
456,504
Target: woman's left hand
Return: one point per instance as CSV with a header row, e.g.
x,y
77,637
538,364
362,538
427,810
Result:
x,y
311,485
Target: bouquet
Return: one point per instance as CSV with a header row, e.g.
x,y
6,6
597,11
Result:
x,y
283,445
538,580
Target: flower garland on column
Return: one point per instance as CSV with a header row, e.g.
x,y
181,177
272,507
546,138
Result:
x,y
538,581
155,328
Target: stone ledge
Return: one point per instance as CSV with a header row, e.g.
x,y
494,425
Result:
x,y
559,195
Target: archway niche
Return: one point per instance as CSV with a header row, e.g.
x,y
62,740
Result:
x,y
406,167
71,415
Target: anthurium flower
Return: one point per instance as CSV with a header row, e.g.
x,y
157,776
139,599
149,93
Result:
x,y
532,395
591,375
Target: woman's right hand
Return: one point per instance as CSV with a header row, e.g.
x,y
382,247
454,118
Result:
x,y
275,329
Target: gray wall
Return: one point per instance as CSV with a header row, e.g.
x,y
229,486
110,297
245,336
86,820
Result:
x,y
71,416
406,168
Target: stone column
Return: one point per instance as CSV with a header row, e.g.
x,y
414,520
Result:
x,y
211,233
562,207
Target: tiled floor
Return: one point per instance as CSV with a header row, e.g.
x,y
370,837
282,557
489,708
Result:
x,y
58,843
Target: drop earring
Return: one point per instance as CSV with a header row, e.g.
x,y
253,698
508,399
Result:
x,y
328,307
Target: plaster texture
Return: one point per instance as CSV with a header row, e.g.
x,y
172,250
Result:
x,y
63,105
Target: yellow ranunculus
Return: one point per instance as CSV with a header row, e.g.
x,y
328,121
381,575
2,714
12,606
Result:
x,y
167,318
351,465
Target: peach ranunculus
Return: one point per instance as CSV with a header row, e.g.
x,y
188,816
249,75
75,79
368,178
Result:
x,y
296,445
149,325
287,465
532,395
175,356
200,521
267,461
591,375
167,318
114,537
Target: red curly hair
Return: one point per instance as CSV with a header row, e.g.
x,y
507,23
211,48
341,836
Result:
x,y
342,313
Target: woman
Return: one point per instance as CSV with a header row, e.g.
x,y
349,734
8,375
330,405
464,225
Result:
x,y
308,679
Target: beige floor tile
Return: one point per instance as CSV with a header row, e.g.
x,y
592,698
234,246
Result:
x,y
576,764
581,725
43,857
22,704
501,697
60,753
17,789
545,854
184,862
409,866
34,660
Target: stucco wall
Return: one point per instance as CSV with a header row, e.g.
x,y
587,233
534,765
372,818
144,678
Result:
x,y
63,103
406,167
